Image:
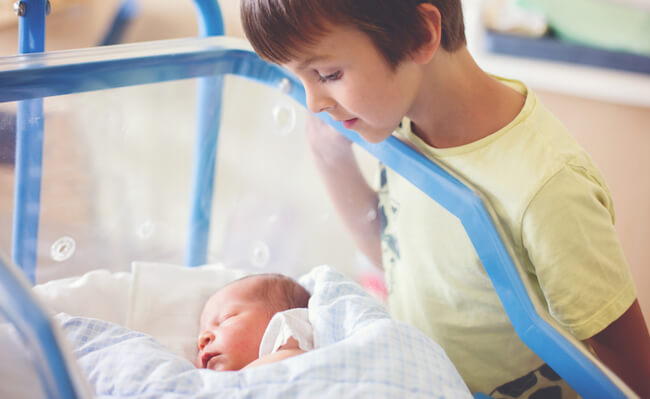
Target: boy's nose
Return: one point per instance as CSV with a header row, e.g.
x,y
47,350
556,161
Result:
x,y
204,339
317,102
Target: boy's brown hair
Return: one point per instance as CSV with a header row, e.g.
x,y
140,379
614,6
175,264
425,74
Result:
x,y
280,29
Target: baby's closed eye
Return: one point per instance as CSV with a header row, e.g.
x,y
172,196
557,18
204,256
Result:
x,y
227,317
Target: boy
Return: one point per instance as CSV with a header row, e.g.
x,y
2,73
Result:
x,y
381,66
234,321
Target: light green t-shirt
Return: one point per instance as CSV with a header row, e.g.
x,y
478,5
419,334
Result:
x,y
557,215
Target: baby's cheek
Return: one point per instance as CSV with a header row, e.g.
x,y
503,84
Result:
x,y
245,350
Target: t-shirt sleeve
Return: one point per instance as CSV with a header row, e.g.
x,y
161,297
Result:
x,y
568,231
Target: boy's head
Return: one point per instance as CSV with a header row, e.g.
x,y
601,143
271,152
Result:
x,y
279,30
234,319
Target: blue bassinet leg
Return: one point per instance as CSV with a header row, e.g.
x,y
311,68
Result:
x,y
128,10
29,145
205,157
209,96
209,17
27,185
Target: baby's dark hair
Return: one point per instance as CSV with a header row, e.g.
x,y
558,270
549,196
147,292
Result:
x,y
281,292
279,30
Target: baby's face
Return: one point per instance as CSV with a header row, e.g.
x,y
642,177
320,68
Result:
x,y
232,324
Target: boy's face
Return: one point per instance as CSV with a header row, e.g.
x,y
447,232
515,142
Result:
x,y
345,75
232,325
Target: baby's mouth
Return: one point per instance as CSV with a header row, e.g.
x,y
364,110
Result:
x,y
206,358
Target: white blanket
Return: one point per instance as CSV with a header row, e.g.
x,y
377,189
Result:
x,y
363,353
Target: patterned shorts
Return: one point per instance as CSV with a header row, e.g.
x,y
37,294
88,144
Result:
x,y
542,383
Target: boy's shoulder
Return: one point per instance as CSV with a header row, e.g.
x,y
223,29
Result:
x,y
534,134
516,161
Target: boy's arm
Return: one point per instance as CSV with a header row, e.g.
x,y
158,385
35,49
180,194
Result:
x,y
354,199
624,347
571,240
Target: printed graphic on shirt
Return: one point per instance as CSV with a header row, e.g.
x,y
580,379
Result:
x,y
388,213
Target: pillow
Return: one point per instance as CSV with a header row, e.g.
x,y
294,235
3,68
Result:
x,y
100,294
162,300
166,301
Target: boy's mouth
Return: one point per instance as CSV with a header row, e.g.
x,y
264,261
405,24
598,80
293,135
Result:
x,y
349,123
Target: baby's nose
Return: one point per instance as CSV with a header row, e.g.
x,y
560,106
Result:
x,y
204,339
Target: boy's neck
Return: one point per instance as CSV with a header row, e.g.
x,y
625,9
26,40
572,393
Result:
x,y
458,103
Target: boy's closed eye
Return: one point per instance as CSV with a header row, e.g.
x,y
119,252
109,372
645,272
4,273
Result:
x,y
329,77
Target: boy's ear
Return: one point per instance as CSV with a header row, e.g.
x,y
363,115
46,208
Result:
x,y
433,25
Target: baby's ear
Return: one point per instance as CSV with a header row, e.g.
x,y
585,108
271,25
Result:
x,y
433,26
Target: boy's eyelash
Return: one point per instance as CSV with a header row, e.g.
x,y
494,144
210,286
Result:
x,y
329,78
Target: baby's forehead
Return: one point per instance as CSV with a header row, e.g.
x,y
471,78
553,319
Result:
x,y
241,292
243,287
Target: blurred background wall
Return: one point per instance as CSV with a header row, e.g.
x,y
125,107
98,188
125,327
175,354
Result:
x,y
615,133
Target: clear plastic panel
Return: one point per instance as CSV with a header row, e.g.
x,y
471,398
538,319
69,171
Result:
x,y
7,146
117,168
19,376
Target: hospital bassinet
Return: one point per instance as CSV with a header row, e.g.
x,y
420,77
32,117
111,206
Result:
x,y
104,77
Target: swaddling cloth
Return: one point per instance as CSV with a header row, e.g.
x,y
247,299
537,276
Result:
x,y
292,323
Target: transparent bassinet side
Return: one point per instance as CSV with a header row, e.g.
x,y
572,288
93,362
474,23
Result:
x,y
116,183
19,376
271,210
7,159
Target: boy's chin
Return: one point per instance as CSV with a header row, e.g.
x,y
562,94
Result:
x,y
374,137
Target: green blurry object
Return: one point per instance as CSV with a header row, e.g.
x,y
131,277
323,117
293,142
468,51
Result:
x,y
597,23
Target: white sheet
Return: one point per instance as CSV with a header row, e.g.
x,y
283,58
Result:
x,y
363,353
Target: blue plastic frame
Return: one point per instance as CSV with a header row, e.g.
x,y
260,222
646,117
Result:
x,y
29,147
207,57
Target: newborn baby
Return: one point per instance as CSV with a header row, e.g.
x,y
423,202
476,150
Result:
x,y
234,321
